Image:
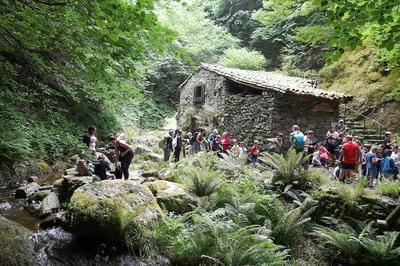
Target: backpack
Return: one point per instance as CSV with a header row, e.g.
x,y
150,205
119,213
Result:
x,y
193,138
86,139
298,140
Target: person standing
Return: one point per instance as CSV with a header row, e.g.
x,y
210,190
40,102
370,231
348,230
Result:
x,y
242,150
351,154
309,143
197,139
212,138
235,149
388,166
341,127
123,154
177,145
168,146
387,140
225,142
297,139
371,162
254,151
90,139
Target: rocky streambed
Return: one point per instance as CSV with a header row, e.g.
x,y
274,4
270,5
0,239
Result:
x,y
66,219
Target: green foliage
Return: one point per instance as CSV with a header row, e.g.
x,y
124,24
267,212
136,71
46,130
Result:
x,y
360,244
203,182
391,188
243,59
287,167
203,240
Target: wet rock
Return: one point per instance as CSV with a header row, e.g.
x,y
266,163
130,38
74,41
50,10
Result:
x,y
15,245
40,195
71,172
33,207
32,179
155,157
5,206
112,210
172,196
66,186
50,204
150,174
46,187
53,220
141,149
27,190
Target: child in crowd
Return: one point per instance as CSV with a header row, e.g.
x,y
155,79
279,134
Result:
x,y
242,150
254,151
235,149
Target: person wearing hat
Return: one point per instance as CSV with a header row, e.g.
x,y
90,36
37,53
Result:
x,y
341,127
387,140
350,154
254,151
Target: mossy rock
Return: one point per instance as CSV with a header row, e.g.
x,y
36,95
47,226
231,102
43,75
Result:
x,y
114,211
66,186
172,196
15,246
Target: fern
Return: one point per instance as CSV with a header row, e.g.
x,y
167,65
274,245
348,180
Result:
x,y
286,166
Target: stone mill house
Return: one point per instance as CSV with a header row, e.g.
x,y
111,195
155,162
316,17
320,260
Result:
x,y
255,104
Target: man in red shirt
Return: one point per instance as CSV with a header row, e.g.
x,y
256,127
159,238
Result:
x,y
350,156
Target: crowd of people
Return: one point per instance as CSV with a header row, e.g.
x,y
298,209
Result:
x,y
339,149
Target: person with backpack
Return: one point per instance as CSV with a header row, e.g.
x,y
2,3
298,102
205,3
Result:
x,y
168,146
123,154
388,167
371,162
212,139
196,140
177,145
297,139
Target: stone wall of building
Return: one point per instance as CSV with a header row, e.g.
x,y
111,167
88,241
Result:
x,y
213,87
308,112
249,117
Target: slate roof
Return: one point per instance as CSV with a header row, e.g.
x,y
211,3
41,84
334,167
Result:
x,y
271,81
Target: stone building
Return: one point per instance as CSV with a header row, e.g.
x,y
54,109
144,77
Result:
x,y
255,104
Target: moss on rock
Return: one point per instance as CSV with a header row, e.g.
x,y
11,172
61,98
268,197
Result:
x,y
15,246
112,210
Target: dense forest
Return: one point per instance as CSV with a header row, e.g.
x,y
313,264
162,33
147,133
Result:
x,y
117,64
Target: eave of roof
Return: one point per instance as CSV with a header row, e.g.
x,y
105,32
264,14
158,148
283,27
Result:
x,y
270,81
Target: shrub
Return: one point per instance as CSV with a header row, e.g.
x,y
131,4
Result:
x,y
286,166
203,240
391,189
204,182
243,59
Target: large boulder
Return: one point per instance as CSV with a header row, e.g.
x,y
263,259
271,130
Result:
x,y
50,203
66,186
172,196
113,210
27,190
15,245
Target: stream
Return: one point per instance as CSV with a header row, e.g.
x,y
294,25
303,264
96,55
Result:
x,y
55,246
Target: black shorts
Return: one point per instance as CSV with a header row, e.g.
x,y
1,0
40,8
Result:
x,y
349,166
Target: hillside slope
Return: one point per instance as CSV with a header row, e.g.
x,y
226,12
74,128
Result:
x,y
361,74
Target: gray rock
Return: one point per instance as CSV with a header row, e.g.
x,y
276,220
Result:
x,y
66,186
172,196
141,149
40,195
155,157
5,206
27,190
50,204
15,245
33,179
97,209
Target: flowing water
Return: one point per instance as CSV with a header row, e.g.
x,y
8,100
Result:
x,y
56,246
